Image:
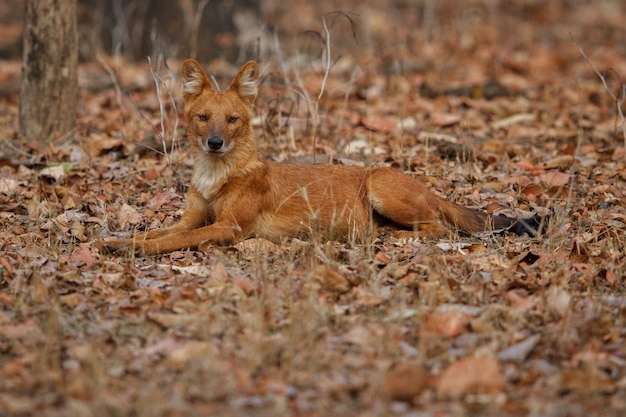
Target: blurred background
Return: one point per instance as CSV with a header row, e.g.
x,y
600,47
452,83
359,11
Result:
x,y
396,30
400,50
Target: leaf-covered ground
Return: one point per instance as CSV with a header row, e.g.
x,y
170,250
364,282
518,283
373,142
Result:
x,y
492,104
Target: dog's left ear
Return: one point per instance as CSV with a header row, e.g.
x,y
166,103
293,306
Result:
x,y
246,82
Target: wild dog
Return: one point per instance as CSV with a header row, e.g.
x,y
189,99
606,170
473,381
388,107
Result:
x,y
235,193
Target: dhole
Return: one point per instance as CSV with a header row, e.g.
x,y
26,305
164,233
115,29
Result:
x,y
235,193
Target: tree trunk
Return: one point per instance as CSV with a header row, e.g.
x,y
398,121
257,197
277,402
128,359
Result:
x,y
49,87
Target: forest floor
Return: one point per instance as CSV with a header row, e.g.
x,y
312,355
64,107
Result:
x,y
497,108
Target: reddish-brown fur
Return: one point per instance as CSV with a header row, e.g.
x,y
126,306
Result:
x,y
236,194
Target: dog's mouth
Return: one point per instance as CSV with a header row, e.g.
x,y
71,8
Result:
x,y
215,151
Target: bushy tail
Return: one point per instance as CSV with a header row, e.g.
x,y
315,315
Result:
x,y
473,221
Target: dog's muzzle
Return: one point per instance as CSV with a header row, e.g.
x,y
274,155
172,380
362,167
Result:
x,y
214,143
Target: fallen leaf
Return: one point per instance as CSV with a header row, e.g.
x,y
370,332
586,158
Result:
x,y
127,216
163,198
558,301
182,355
379,124
26,330
72,300
6,299
258,246
330,280
444,119
202,270
532,191
219,273
525,165
514,119
55,172
359,335
357,146
172,320
82,257
405,381
246,284
366,298
17,405
555,179
479,374
520,301
587,380
610,277
8,186
560,162
519,351
445,323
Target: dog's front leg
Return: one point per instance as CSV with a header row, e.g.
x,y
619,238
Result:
x,y
197,213
219,233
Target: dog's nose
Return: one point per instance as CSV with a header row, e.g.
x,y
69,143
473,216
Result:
x,y
214,143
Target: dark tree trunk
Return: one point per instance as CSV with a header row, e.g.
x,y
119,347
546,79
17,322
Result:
x,y
49,87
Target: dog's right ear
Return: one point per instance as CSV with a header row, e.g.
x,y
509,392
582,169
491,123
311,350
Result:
x,y
194,78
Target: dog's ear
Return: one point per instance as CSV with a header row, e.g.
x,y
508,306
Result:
x,y
194,78
246,82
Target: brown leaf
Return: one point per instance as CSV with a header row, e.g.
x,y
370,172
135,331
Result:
x,y
6,264
589,379
330,280
17,405
127,216
405,381
560,162
27,330
366,298
163,198
182,355
6,299
219,273
168,320
555,179
520,300
532,191
72,300
610,277
479,374
8,186
246,284
82,257
558,301
98,143
445,323
381,258
517,180
379,124
258,246
359,335
525,165
444,119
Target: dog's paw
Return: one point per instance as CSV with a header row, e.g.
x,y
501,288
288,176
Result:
x,y
113,246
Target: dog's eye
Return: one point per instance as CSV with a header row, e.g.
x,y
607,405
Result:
x,y
233,119
203,117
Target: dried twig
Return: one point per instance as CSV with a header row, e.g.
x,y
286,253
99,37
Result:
x,y
618,100
158,81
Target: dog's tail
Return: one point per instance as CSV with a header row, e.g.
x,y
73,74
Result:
x,y
473,221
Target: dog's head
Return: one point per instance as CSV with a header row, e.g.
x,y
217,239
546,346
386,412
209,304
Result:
x,y
216,120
